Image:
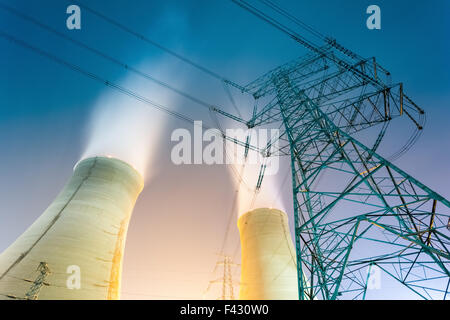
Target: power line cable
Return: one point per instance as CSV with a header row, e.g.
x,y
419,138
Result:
x,y
119,88
310,45
291,17
121,64
156,44
326,39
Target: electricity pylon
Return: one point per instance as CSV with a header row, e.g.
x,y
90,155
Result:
x,y
35,288
227,278
353,208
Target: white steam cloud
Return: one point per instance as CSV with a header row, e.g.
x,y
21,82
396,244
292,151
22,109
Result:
x,y
127,129
268,195
252,193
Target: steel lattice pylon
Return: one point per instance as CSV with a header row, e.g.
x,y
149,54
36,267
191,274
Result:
x,y
353,208
227,292
35,288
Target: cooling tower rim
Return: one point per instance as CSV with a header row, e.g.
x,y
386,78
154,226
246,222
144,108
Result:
x,y
263,210
115,159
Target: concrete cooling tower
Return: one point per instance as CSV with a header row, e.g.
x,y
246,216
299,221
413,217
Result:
x,y
268,264
74,249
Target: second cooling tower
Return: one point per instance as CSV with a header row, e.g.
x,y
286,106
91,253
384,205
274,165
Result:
x,y
74,249
268,266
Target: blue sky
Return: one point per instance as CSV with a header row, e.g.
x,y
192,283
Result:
x,y
45,107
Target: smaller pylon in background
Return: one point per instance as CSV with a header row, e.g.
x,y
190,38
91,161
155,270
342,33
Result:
x,y
44,271
226,280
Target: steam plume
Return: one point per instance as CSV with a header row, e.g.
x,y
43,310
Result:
x,y
124,128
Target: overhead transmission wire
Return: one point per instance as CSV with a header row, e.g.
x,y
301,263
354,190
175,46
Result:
x,y
93,76
294,19
313,31
263,16
156,44
308,44
209,106
124,65
196,65
233,102
239,180
116,87
273,22
239,177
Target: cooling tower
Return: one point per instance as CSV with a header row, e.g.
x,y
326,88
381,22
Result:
x,y
268,266
84,230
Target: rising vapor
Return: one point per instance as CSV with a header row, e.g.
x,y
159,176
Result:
x,y
247,171
123,128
